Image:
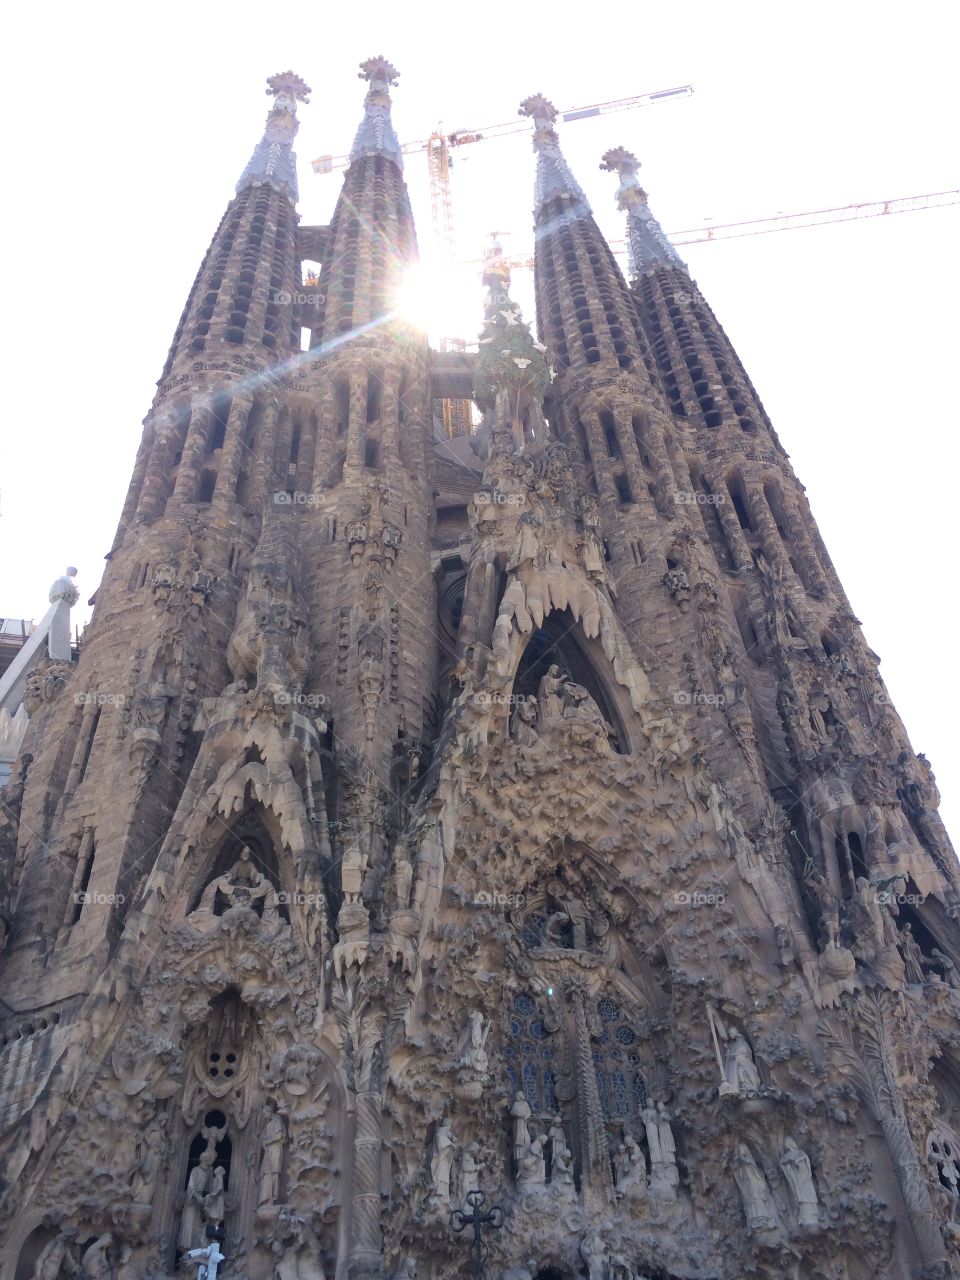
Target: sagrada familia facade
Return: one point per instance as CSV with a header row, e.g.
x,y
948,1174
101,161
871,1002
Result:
x,y
491,855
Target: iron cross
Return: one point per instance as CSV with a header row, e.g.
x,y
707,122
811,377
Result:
x,y
478,1220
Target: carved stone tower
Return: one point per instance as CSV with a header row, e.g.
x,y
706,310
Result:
x,y
515,821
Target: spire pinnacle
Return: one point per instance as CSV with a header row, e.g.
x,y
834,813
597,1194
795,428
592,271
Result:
x,y
376,136
554,178
273,161
646,242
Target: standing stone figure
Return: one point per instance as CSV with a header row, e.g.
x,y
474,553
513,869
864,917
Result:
x,y
470,1050
521,1132
55,1257
799,1175
271,1160
758,1204
441,1162
197,1186
664,1176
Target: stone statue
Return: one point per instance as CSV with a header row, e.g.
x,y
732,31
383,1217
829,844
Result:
x,y
630,1169
470,1050
470,1168
549,698
594,1254
758,1204
664,1176
97,1261
242,886
796,1169
739,1067
951,974
524,725
298,1256
271,1160
527,547
532,1168
402,877
407,1270
56,1257
151,1152
912,955
520,1110
214,1201
570,910
198,1184
65,588
441,1162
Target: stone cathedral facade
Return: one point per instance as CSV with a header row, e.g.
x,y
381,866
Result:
x,y
514,823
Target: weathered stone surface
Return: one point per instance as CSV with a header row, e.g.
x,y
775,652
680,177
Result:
x,y
520,815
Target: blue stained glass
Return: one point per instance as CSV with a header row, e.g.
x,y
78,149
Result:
x,y
531,938
626,1035
527,1048
508,1051
537,1029
604,1093
516,1027
514,1082
608,1010
524,1005
614,1055
639,1091
620,1093
531,1087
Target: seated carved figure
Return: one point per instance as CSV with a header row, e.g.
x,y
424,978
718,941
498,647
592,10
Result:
x,y
242,886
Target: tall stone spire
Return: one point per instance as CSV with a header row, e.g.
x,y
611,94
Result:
x,y
646,242
555,180
372,239
376,135
273,160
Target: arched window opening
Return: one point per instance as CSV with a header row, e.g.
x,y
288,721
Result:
x,y
371,453
616,1060
295,444
529,1058
739,499
374,397
609,426
87,746
624,494
206,485
556,644
341,395
80,894
218,430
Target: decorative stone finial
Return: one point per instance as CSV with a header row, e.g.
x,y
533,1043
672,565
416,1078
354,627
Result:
x,y
623,162
288,85
554,178
376,136
65,588
646,242
273,162
541,109
378,69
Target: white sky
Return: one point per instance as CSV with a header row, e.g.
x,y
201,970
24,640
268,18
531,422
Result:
x,y
128,126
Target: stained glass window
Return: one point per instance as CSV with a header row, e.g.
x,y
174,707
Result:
x,y
529,1055
620,1083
